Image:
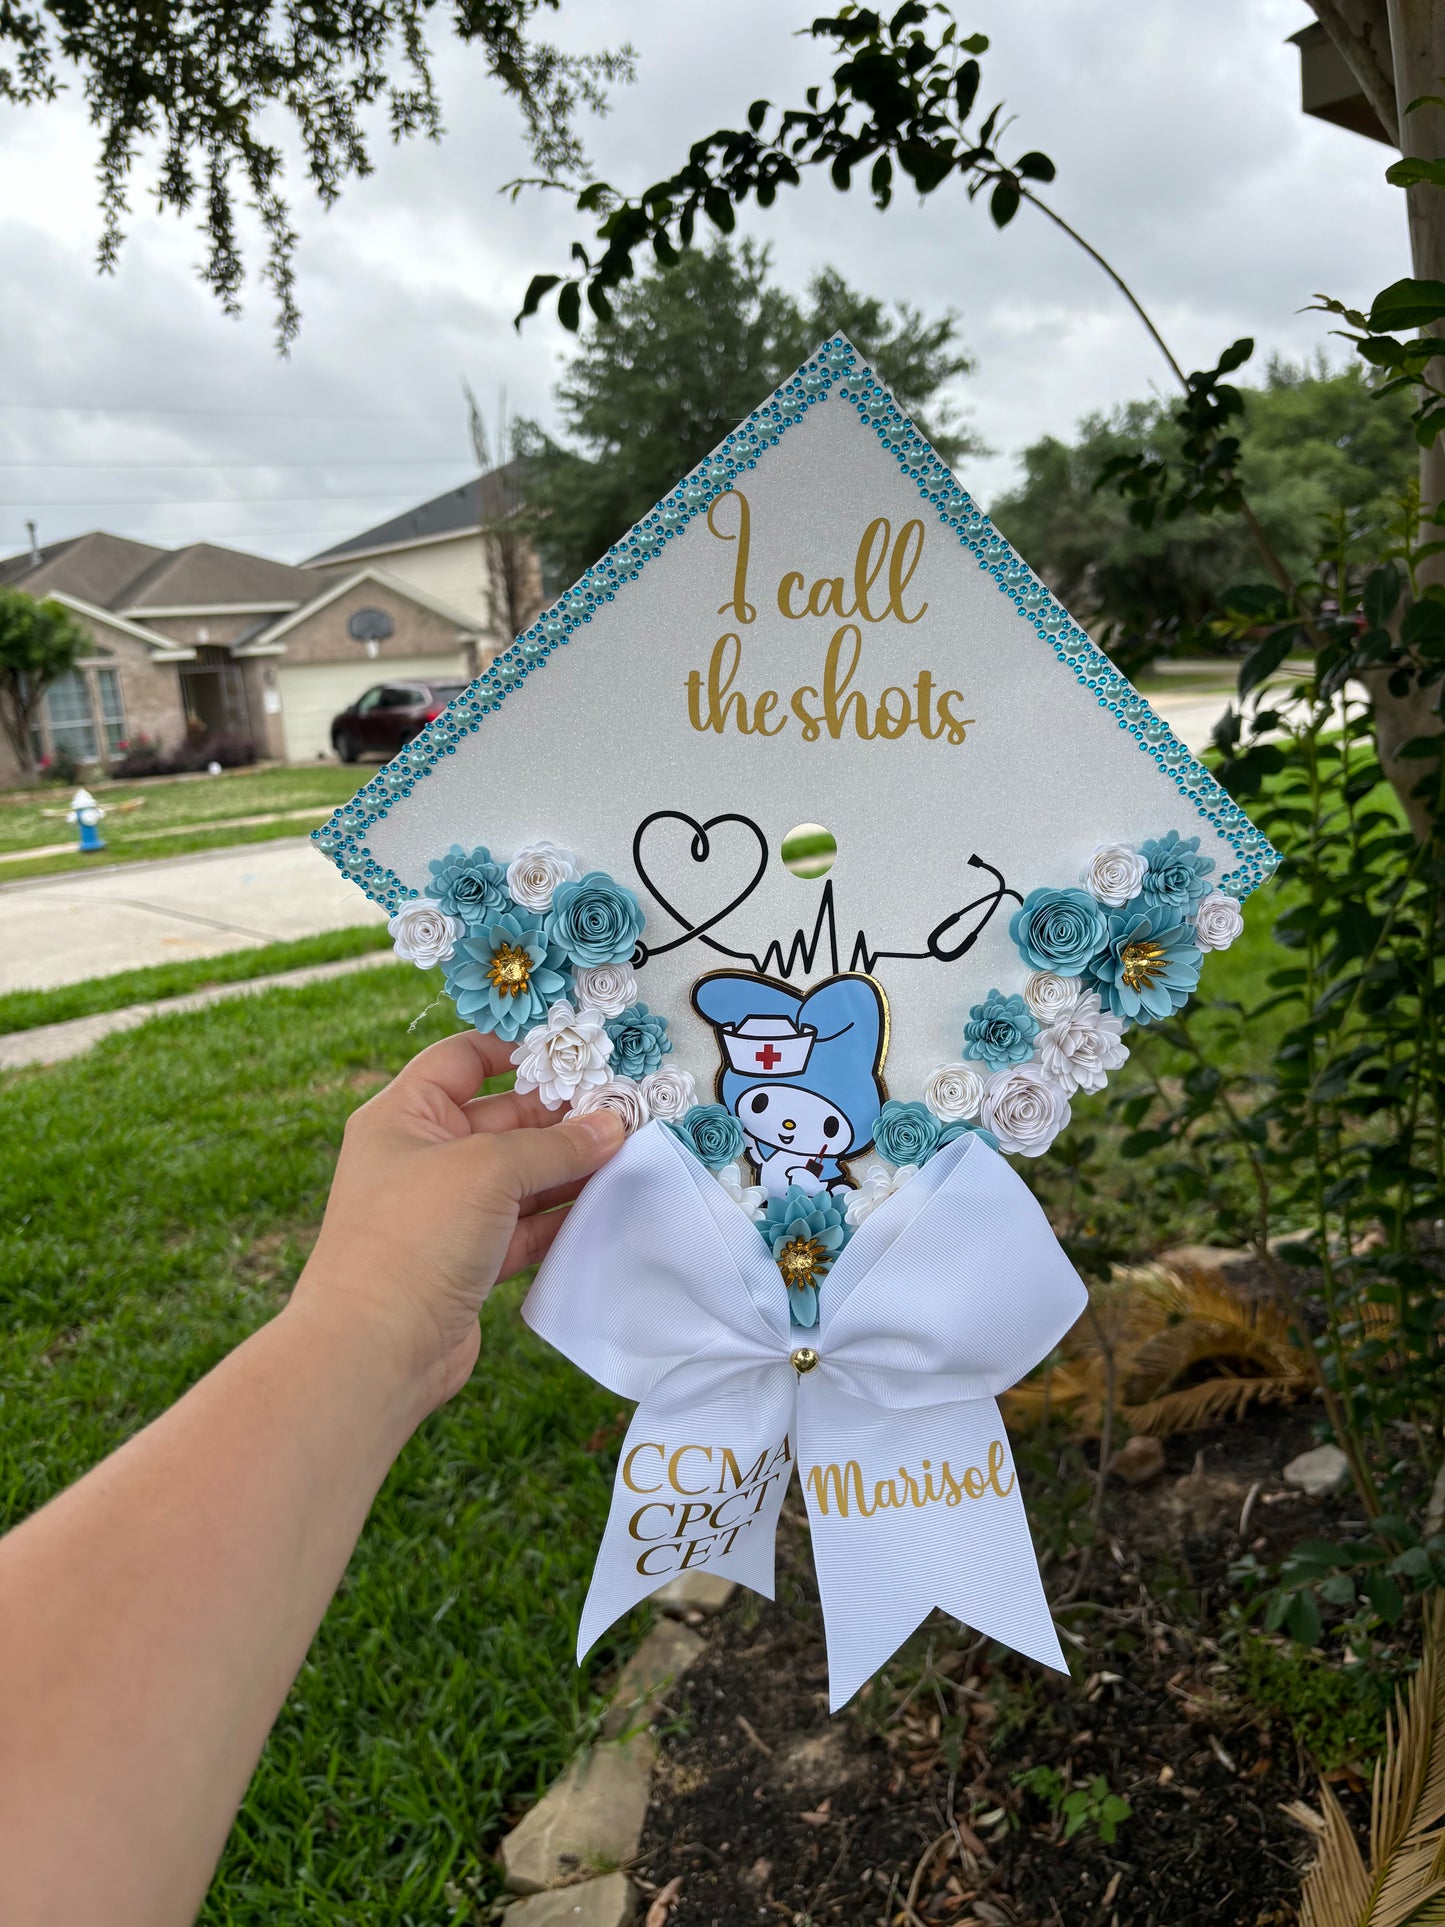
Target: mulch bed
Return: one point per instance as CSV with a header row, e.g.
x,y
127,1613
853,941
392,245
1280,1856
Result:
x,y
904,1808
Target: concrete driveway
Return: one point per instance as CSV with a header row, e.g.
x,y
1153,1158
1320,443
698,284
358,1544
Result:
x,y
58,930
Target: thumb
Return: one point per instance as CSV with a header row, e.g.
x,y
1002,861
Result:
x,y
536,1160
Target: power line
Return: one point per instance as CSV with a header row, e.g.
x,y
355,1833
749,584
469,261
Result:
x,y
250,414
206,502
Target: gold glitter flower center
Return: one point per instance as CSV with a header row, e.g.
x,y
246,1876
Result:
x,y
1143,964
510,969
802,1262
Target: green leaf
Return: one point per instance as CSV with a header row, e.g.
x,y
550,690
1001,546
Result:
x,y
1003,203
1303,1619
965,87
719,209
1407,304
1414,169
976,43
1035,166
1384,1595
569,307
539,285
1235,355
1338,1590
1381,593
1412,1563
1262,661
758,113
1423,624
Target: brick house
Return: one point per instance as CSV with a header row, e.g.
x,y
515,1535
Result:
x,y
204,639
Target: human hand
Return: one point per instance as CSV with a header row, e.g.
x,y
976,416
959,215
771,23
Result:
x,y
437,1194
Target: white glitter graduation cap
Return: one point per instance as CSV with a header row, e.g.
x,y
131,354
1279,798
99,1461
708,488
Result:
x,y
819,626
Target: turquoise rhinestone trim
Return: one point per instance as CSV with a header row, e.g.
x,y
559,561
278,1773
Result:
x,y
836,367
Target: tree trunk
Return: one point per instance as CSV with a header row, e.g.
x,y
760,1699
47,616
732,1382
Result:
x,y
1403,42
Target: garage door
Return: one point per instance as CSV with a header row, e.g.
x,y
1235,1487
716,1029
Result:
x,y
313,692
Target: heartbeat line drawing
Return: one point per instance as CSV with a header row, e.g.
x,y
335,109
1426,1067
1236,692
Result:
x,y
798,955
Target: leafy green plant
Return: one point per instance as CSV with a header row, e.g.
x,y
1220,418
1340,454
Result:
x,y
1092,1807
1335,1712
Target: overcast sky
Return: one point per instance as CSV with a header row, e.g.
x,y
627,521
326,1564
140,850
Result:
x,y
131,403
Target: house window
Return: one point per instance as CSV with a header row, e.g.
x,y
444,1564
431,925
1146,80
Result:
x,y
71,717
112,710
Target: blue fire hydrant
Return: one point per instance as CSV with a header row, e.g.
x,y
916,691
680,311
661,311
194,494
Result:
x,y
85,813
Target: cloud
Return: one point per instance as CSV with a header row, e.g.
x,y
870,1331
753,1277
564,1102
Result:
x,y
1181,152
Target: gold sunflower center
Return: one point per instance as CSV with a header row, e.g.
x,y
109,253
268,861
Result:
x,y
1143,963
510,969
802,1262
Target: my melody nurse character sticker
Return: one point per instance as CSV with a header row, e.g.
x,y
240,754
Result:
x,y
800,1074
813,1256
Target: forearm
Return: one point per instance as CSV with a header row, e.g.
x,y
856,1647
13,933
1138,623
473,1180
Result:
x,y
153,1618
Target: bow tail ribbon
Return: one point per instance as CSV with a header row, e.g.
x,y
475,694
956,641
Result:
x,y
659,1287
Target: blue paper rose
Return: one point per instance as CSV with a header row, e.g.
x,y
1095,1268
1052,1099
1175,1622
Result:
x,y
962,1128
1058,930
1149,965
711,1133
1000,1031
503,977
594,920
470,887
639,1041
805,1233
905,1133
1175,872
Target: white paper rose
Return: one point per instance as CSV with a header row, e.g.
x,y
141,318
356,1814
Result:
x,y
1024,1108
617,1094
563,1057
1048,996
953,1092
1217,921
424,934
609,988
876,1185
668,1093
534,873
749,1198
1079,1049
1113,873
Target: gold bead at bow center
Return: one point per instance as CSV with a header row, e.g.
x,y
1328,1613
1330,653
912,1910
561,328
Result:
x,y
803,1359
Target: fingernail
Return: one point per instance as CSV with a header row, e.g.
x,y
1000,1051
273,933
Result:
x,y
603,1127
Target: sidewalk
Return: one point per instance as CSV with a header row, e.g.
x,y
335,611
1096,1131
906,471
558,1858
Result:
x,y
61,930
53,1043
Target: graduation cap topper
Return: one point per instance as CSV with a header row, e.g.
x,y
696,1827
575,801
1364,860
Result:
x,y
809,1252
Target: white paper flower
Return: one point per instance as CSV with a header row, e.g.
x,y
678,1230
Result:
x,y
609,988
953,1092
566,1055
1081,1047
617,1094
534,873
1024,1108
1113,873
751,1198
1048,996
424,934
668,1093
877,1184
1217,921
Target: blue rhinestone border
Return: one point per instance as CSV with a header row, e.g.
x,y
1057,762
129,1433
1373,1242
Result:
x,y
836,366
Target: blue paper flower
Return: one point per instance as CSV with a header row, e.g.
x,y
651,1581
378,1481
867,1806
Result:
x,y
470,887
1058,930
639,1041
962,1128
594,920
1000,1031
905,1133
805,1233
1176,872
1149,965
503,977
711,1133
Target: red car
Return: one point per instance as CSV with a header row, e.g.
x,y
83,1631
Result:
x,y
388,715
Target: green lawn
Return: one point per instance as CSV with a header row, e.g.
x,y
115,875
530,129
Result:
x,y
154,1208
27,1009
176,814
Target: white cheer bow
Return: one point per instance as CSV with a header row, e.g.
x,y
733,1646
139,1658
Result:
x,y
661,1288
